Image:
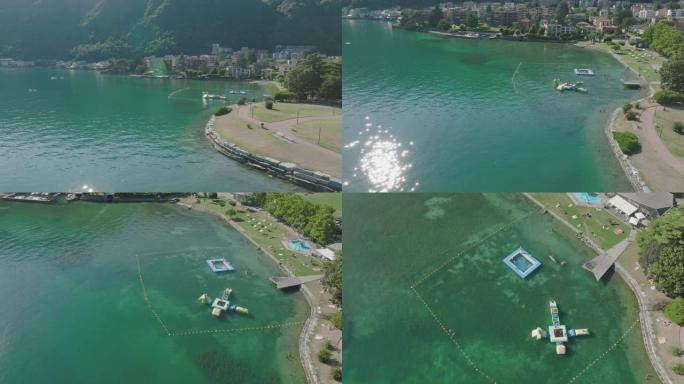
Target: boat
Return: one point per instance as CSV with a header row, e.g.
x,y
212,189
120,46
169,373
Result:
x,y
584,72
209,96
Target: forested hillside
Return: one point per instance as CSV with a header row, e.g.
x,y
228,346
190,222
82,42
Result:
x,y
100,29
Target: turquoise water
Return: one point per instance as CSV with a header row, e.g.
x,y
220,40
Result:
x,y
439,114
114,133
429,300
74,309
586,197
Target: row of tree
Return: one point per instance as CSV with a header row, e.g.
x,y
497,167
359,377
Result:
x,y
665,39
661,247
316,78
315,221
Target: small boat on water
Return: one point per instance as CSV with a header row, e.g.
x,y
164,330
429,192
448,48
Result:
x,y
584,72
209,96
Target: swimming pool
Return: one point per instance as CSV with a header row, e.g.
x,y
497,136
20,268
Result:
x,y
588,197
299,246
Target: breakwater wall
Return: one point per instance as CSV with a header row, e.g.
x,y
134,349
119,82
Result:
x,y
314,180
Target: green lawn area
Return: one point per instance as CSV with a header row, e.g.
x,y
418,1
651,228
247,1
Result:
x,y
331,133
333,200
269,235
664,120
641,61
286,111
596,223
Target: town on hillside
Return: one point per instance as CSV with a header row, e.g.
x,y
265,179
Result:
x,y
221,62
545,19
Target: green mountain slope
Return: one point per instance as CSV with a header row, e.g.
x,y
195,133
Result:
x,y
98,29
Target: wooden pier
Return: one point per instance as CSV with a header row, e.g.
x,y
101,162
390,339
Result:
x,y
600,264
631,84
284,282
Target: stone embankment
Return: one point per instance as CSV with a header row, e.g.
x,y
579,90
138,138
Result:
x,y
314,180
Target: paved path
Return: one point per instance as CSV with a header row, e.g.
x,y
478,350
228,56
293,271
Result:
x,y
284,127
654,142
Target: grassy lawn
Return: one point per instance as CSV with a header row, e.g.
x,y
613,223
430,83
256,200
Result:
x,y
333,200
269,234
640,61
331,133
664,120
286,111
596,223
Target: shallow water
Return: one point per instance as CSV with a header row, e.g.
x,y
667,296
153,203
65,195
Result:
x,y
74,309
403,282
446,114
114,133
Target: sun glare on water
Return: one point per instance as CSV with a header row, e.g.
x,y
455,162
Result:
x,y
383,159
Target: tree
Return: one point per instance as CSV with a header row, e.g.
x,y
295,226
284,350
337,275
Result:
x,y
672,74
435,16
242,100
337,374
678,127
331,88
268,104
665,96
628,142
562,11
472,21
324,356
678,369
443,25
668,270
661,248
231,212
332,279
222,111
674,310
306,79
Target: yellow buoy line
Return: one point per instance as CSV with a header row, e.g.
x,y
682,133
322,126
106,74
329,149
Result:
x,y
244,329
469,248
204,331
517,69
602,355
451,335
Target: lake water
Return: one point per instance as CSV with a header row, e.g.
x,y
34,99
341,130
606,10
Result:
x,y
73,308
432,113
114,133
419,262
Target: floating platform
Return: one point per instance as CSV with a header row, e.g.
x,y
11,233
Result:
x,y
631,84
220,265
522,262
584,72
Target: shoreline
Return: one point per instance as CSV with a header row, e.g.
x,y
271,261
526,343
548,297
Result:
x,y
311,321
631,171
646,326
310,179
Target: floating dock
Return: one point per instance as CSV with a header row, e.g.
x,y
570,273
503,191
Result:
x,y
220,265
558,333
584,72
522,262
631,84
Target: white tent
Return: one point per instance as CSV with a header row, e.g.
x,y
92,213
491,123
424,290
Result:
x,y
326,253
634,221
640,216
622,205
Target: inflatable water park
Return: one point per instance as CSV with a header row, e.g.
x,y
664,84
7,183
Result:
x,y
220,265
569,86
557,332
221,304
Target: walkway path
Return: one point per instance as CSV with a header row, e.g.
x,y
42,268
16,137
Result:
x,y
284,127
652,142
